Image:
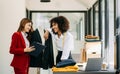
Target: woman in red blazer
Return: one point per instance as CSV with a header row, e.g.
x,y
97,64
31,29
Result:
x,y
20,46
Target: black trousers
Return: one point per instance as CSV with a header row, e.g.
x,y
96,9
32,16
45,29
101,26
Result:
x,y
59,56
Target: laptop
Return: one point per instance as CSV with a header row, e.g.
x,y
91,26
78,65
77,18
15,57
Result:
x,y
94,64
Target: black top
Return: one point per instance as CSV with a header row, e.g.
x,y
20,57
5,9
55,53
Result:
x,y
45,59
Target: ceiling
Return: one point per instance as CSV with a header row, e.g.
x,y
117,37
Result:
x,y
86,3
60,4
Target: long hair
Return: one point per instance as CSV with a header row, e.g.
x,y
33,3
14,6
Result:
x,y
22,25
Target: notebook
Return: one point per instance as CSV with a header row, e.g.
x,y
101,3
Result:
x,y
38,49
94,64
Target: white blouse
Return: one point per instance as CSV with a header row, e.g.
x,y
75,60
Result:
x,y
64,43
27,43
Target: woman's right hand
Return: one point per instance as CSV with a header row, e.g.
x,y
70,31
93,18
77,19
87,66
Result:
x,y
29,49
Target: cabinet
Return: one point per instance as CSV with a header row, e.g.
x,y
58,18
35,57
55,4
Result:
x,y
93,49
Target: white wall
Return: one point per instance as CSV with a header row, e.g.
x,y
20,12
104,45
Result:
x,y
111,39
118,9
11,12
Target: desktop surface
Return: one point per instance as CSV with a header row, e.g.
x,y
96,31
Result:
x,y
82,71
87,72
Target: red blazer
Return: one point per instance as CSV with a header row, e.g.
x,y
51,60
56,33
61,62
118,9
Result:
x,y
20,59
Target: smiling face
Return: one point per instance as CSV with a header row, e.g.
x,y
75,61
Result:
x,y
55,27
27,27
59,24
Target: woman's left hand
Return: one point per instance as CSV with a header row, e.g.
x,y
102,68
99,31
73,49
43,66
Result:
x,y
46,35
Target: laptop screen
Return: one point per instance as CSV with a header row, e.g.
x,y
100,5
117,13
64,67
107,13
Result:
x,y
94,64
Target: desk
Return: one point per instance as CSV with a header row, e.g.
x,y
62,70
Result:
x,y
87,72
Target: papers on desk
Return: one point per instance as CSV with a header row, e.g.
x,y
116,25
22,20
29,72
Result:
x,y
81,66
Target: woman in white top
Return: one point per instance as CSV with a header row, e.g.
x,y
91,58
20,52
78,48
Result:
x,y
63,39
